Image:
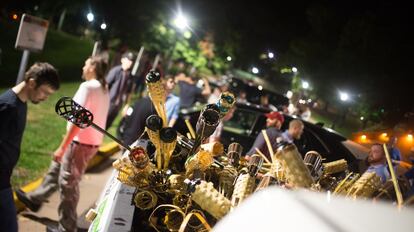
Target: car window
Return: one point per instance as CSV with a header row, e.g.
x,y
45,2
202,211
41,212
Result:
x,y
310,142
242,122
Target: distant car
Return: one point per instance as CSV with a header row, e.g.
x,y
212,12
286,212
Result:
x,y
248,121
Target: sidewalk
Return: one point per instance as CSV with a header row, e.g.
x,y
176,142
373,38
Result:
x,y
90,186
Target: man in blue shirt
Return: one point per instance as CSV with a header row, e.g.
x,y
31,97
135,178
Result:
x,y
41,80
274,122
294,131
172,102
376,160
393,150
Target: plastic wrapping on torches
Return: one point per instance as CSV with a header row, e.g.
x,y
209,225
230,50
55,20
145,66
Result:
x,y
245,183
208,198
297,174
135,168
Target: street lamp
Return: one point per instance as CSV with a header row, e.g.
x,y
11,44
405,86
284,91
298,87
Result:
x,y
270,55
181,22
294,69
228,58
103,26
343,96
90,17
255,70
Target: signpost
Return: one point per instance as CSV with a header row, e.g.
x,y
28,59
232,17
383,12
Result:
x,y
31,37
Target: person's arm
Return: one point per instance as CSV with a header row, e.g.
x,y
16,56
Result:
x,y
175,112
206,90
259,143
72,131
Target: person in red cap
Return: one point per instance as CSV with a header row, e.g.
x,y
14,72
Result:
x,y
274,122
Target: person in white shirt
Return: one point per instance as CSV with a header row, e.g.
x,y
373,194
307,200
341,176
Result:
x,y
76,149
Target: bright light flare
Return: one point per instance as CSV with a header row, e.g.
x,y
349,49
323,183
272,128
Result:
x,y
270,55
305,84
289,94
255,70
363,138
343,96
181,22
90,17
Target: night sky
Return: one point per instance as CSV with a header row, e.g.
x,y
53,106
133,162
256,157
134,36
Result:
x,y
364,46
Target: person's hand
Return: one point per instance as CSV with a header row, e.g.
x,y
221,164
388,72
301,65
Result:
x,y
58,154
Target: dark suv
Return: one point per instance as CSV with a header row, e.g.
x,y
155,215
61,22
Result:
x,y
248,121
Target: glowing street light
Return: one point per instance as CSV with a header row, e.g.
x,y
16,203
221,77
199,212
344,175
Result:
x,y
270,55
90,17
228,58
305,84
260,87
343,96
255,70
294,69
181,22
103,26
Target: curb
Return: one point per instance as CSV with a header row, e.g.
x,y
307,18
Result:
x,y
104,152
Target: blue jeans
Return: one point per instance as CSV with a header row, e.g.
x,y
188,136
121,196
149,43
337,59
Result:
x,y
8,215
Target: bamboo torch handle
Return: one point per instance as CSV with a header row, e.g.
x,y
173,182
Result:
x,y
393,177
269,145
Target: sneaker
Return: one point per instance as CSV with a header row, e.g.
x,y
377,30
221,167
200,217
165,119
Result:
x,y
26,201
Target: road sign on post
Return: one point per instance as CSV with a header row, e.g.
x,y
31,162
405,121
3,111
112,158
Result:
x,y
31,37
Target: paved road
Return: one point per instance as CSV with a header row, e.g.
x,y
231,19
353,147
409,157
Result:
x,y
90,188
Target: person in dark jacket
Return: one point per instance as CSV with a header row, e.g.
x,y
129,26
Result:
x,y
120,84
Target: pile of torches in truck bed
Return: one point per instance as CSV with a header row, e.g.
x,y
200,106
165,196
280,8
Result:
x,y
184,183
